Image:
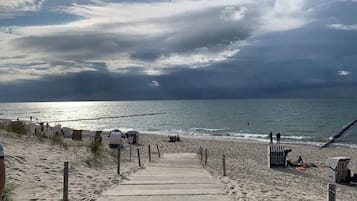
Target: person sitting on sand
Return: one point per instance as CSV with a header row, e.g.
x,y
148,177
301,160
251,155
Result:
x,y
172,138
299,161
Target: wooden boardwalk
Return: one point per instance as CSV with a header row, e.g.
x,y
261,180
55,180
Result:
x,y
176,177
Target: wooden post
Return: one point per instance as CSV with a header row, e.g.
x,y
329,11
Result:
x,y
224,165
65,181
118,160
206,155
149,153
130,152
139,157
201,154
331,192
158,150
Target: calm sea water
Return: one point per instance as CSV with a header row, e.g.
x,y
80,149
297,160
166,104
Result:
x,y
298,120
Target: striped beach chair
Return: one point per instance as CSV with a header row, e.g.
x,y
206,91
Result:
x,y
276,156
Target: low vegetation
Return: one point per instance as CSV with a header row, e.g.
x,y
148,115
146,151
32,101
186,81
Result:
x,y
98,154
57,140
14,126
9,191
96,148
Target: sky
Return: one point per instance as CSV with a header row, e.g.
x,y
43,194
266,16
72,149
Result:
x,y
54,50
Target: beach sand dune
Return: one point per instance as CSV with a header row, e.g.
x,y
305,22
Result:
x,y
35,168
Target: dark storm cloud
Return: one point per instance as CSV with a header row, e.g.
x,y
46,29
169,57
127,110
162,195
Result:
x,y
222,82
313,60
193,34
205,30
80,86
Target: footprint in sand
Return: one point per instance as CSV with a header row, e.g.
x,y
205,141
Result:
x,y
19,169
264,191
20,159
279,189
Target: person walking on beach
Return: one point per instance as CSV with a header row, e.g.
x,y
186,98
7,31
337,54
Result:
x,y
2,171
278,138
271,137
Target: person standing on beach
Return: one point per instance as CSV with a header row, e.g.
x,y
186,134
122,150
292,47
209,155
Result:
x,y
2,171
271,137
278,138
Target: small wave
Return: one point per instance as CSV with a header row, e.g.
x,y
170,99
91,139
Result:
x,y
209,129
166,132
297,137
35,112
220,134
265,136
353,146
153,129
248,135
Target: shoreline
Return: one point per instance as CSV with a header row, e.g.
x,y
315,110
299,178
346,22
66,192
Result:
x,y
257,137
248,177
250,140
285,139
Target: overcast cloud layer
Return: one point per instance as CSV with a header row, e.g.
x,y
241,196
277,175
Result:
x,y
177,49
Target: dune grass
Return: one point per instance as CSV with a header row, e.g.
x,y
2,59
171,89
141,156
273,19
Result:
x,y
9,191
14,126
98,154
57,140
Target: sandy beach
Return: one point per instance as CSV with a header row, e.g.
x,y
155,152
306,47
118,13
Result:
x,y
35,168
249,178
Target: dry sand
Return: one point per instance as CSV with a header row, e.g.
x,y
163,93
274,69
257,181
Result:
x,y
249,178
36,168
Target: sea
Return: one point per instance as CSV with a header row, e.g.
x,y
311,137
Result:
x,y
305,121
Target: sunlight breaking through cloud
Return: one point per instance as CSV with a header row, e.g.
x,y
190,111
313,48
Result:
x,y
156,36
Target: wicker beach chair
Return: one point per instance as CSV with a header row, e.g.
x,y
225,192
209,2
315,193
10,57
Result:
x,y
276,156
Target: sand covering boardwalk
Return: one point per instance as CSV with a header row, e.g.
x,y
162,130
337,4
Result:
x,y
177,177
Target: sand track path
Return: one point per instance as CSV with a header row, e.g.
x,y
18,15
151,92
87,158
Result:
x,y
177,177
